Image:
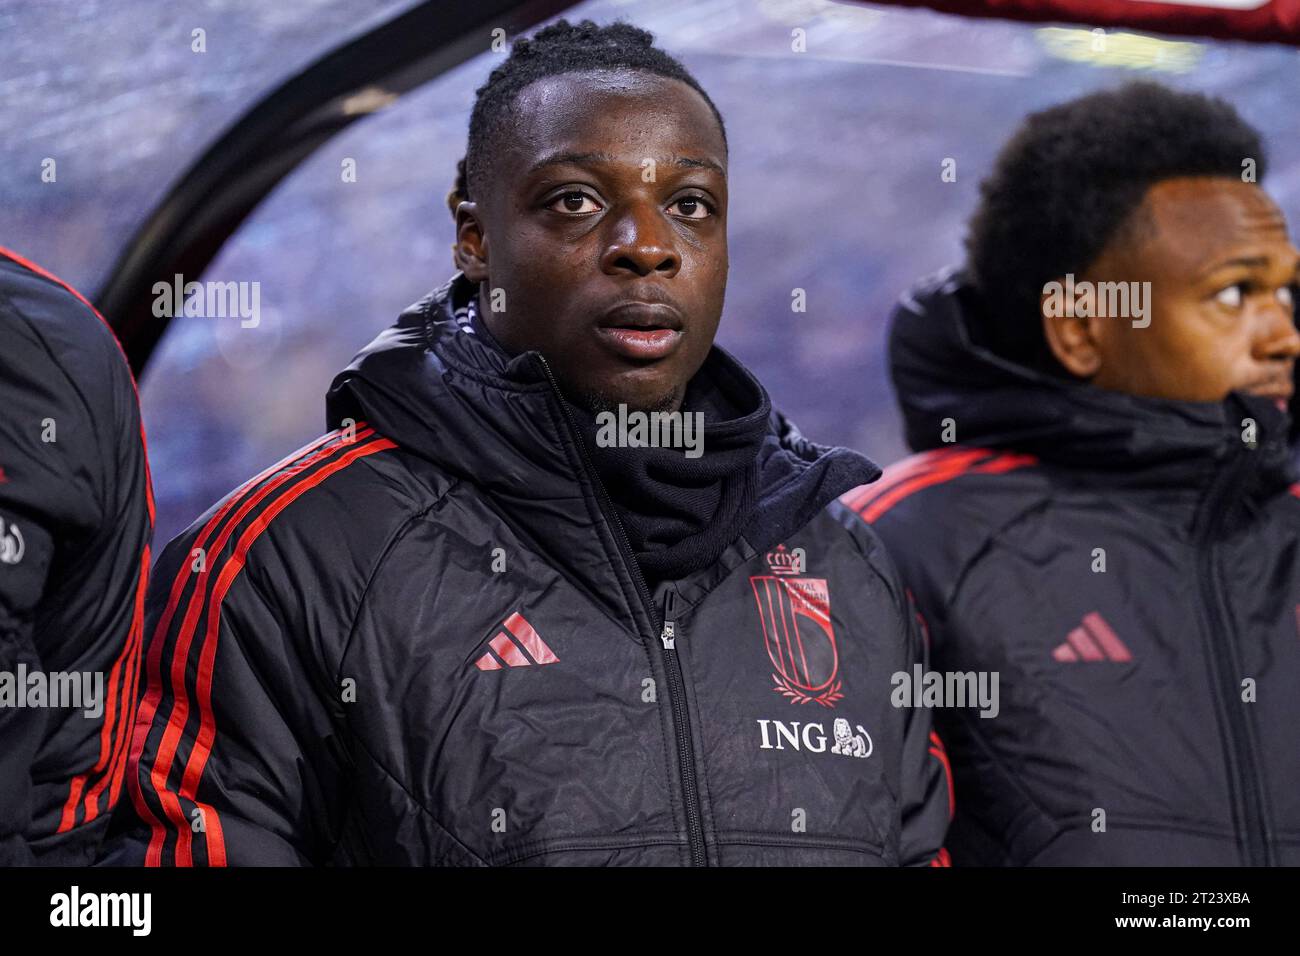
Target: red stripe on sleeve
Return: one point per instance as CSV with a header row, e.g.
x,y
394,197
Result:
x,y
938,750
154,685
179,715
117,767
126,671
907,469
954,466
944,472
134,635
194,767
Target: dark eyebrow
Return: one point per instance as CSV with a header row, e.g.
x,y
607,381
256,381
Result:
x,y
693,163
576,159
584,159
1248,262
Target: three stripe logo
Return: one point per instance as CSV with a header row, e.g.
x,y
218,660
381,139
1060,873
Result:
x,y
1093,641
503,651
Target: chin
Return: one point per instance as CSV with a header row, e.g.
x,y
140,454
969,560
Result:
x,y
598,398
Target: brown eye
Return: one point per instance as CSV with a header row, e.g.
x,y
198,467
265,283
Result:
x,y
693,207
575,202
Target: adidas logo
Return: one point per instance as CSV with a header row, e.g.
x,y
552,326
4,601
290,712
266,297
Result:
x,y
503,649
1094,641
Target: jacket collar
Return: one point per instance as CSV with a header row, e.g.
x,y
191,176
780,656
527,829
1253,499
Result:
x,y
436,388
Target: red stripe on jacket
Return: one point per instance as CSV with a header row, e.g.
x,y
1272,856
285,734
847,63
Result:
x,y
903,470
153,675
129,658
911,475
154,689
939,751
174,730
207,731
126,670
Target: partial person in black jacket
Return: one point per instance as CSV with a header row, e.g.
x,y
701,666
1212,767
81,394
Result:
x,y
76,518
1102,512
466,628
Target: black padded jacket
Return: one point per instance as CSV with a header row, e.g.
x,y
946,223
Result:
x,y
422,640
1130,568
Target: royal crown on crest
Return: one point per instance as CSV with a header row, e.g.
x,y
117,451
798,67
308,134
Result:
x,y
782,561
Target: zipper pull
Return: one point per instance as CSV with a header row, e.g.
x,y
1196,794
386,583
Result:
x,y
669,633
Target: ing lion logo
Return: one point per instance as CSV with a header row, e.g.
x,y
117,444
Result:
x,y
12,546
849,744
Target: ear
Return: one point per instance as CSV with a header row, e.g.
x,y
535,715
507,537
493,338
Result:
x,y
471,248
1072,339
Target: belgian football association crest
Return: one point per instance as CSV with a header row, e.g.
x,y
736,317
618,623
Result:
x,y
795,612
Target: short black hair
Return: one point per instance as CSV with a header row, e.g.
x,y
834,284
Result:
x,y
1068,183
562,47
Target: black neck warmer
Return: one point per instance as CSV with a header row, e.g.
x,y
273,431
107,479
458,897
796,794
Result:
x,y
680,513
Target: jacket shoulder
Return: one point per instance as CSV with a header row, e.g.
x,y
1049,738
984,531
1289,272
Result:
x,y
937,510
49,321
302,539
346,478
70,433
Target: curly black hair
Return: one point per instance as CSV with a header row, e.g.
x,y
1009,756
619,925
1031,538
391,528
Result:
x,y
1071,180
562,47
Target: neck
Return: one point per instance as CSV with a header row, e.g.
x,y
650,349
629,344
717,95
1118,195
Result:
x,y
681,508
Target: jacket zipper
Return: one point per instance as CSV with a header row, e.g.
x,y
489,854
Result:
x,y
1225,671
667,636
676,697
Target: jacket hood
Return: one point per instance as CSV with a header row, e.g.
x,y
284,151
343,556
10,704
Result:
x,y
941,372
432,385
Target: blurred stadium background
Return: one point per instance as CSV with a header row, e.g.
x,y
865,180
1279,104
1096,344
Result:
x,y
835,186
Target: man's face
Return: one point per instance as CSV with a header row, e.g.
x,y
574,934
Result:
x,y
605,228
1222,270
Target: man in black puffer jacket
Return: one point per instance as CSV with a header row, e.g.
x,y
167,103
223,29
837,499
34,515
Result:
x,y
76,521
465,628
1102,512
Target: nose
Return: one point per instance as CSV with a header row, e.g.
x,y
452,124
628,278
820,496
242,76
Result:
x,y
1278,339
641,242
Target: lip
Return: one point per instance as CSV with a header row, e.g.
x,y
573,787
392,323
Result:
x,y
1279,393
640,344
642,331
635,313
